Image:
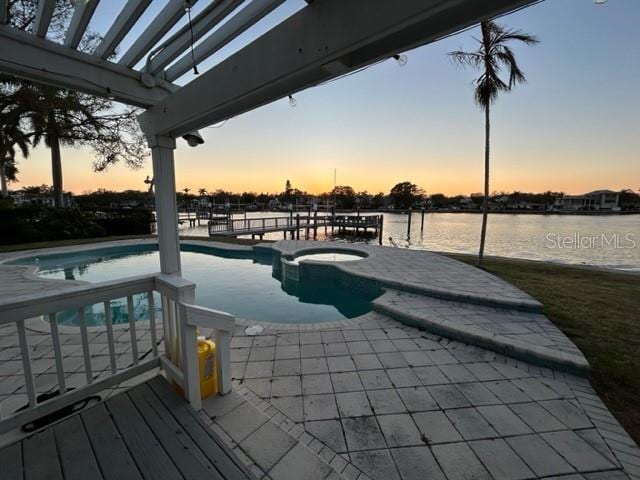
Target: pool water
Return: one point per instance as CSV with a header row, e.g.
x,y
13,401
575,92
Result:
x,y
244,287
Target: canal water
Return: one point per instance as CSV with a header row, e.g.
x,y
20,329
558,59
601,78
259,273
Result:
x,y
603,240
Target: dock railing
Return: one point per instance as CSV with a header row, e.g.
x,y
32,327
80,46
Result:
x,y
171,342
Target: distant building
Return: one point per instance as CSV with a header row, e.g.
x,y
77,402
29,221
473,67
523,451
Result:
x,y
23,198
596,200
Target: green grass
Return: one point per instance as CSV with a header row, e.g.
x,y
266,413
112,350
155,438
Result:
x,y
600,311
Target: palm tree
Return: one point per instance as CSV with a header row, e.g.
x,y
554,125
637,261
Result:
x,y
202,192
11,137
492,56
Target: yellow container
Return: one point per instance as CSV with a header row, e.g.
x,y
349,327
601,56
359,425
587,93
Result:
x,y
207,368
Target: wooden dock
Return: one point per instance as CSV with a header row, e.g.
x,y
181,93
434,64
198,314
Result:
x,y
146,432
294,224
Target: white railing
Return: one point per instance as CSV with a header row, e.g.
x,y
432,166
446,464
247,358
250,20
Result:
x,y
180,319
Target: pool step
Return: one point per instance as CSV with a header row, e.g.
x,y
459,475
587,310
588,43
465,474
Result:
x,y
272,445
402,307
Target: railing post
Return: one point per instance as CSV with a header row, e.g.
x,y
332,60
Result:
x,y
189,348
223,361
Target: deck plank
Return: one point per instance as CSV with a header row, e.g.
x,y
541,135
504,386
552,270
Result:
x,y
76,455
152,459
41,458
112,454
215,450
181,448
11,462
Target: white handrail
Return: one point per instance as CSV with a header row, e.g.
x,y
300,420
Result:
x,y
180,318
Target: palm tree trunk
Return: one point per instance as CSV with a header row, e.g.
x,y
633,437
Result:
x,y
56,170
485,200
3,181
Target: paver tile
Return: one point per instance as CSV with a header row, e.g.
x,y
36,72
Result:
x,y
403,377
540,457
362,433
314,384
320,407
417,463
314,365
385,401
374,379
353,404
377,464
267,445
503,420
340,364
478,394
241,421
459,463
300,463
436,427
346,382
470,424
567,413
329,432
500,460
576,451
399,430
537,417
286,386
448,396
417,399
367,361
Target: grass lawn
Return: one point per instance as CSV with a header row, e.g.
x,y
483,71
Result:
x,y
600,312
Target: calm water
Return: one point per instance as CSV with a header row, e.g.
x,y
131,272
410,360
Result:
x,y
611,241
239,286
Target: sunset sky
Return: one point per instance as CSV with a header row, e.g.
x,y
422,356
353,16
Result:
x,y
574,127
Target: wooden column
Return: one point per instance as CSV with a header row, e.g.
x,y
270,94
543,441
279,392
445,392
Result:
x,y
166,208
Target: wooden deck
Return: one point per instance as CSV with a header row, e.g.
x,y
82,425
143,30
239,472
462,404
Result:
x,y
148,432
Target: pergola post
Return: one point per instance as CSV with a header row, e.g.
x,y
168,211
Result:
x,y
164,180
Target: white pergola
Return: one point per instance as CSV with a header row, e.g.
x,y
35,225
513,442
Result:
x,y
323,40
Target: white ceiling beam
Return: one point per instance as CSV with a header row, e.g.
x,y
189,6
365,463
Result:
x,y
321,41
44,14
4,11
159,26
204,22
236,25
125,21
39,60
81,16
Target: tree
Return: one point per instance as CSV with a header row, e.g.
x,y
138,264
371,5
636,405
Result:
x,y
64,117
404,194
11,138
492,55
344,196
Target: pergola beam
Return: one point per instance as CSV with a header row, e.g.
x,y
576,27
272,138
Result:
x,y
125,21
43,61
44,14
79,22
159,26
204,22
322,41
236,25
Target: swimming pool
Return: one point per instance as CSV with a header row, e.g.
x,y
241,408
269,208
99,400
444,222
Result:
x,y
241,283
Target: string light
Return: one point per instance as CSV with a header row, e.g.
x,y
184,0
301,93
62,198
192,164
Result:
x,y
187,7
292,101
402,59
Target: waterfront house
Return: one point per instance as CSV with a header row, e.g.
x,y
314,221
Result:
x,y
596,200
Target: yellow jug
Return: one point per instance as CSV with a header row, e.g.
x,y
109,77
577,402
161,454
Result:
x,y
207,368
